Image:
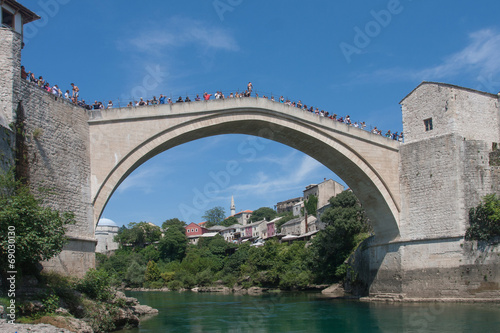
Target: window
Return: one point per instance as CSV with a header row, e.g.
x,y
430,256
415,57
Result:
x,y
428,124
7,18
196,230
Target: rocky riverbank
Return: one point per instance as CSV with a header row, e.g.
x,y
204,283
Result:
x,y
125,312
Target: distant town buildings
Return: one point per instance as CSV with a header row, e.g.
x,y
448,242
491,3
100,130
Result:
x,y
299,228
105,233
323,191
287,206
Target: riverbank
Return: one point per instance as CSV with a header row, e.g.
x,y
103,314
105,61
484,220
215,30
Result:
x,y
237,289
5,327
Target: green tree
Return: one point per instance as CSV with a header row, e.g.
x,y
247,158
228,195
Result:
x,y
150,252
484,220
152,273
263,213
229,221
36,233
174,223
138,234
173,245
344,220
135,274
214,216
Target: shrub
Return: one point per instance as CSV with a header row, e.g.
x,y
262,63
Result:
x,y
167,276
99,316
96,285
174,285
485,220
152,273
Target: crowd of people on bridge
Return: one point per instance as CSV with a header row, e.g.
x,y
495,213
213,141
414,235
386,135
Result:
x,y
73,96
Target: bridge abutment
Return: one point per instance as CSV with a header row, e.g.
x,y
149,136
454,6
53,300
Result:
x,y
447,165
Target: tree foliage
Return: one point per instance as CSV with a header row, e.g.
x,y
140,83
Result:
x,y
263,213
138,234
311,205
214,216
231,220
173,244
37,232
484,220
174,223
344,220
152,273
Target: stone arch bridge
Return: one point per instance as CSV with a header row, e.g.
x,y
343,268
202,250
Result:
x,y
122,139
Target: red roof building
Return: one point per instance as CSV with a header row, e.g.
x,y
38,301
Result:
x,y
194,229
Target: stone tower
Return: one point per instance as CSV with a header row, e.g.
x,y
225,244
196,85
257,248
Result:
x,y
447,164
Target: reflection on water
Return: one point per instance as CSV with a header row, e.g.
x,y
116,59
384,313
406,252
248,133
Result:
x,y
308,312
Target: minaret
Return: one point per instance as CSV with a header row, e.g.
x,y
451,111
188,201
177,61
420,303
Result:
x,y
233,208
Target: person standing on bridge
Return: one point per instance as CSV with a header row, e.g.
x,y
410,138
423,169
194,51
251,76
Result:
x,y
249,87
206,96
76,92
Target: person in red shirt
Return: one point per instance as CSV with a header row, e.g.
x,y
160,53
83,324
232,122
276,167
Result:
x,y
206,96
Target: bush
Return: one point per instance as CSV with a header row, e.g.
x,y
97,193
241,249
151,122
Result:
x,y
485,220
95,284
100,316
204,278
152,273
135,274
174,285
167,276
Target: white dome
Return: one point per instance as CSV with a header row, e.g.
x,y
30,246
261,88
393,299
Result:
x,y
106,223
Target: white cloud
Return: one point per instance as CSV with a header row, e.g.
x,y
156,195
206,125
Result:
x,y
181,32
145,179
479,57
289,179
477,61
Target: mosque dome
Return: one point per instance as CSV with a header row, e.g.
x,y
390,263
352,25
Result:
x,y
107,223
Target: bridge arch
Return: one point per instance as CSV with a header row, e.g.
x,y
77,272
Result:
x,y
123,139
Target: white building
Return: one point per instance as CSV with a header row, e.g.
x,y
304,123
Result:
x,y
105,233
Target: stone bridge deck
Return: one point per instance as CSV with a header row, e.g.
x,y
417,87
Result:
x,y
124,138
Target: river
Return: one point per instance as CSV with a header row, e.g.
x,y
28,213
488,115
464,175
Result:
x,y
308,312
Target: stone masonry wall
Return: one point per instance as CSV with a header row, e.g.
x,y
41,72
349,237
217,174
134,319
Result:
x,y
58,159
470,113
432,188
57,137
10,73
7,141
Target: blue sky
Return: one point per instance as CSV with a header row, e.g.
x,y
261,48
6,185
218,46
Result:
x,y
358,58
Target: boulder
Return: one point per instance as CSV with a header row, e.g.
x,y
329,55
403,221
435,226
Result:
x,y
335,290
143,310
66,323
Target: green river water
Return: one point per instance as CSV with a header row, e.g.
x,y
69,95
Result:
x,y
308,312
